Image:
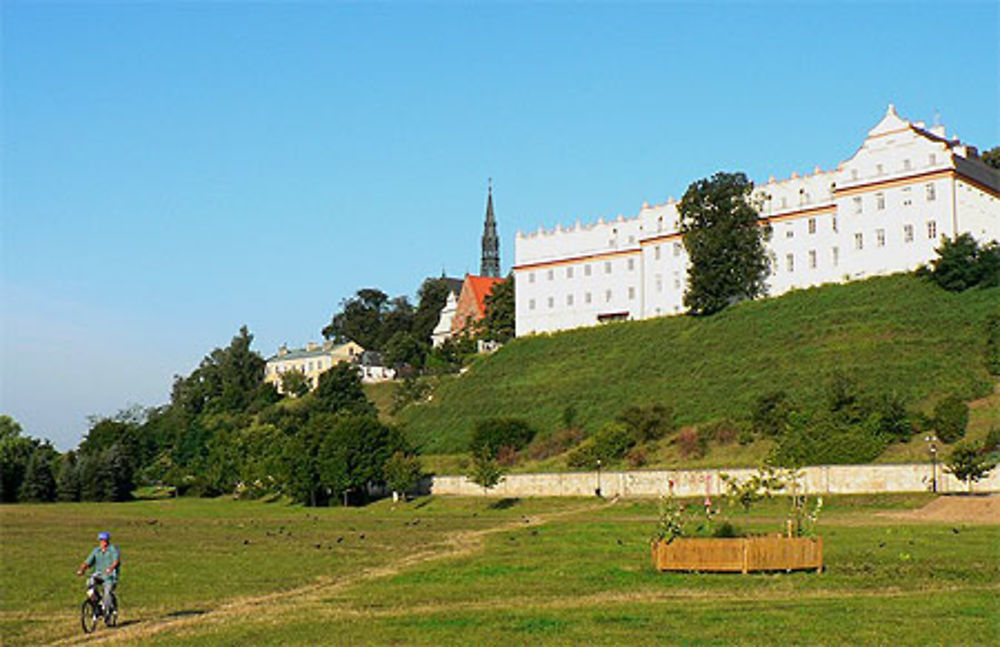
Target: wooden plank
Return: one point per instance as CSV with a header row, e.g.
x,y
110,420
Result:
x,y
739,555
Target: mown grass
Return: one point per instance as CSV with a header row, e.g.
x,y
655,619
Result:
x,y
583,577
892,333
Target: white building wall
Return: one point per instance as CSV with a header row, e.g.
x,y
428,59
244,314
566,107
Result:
x,y
884,210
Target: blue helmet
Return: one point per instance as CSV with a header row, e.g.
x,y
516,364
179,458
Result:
x,y
104,535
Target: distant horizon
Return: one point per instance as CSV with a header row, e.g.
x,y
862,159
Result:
x,y
172,172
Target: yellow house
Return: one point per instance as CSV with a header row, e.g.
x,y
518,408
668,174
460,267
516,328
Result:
x,y
311,361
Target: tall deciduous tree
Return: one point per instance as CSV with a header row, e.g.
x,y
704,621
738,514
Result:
x,y
339,390
992,157
360,319
724,242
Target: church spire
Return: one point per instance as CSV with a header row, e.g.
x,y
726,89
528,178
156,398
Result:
x,y
490,265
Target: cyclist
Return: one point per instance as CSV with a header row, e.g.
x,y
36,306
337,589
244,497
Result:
x,y
106,559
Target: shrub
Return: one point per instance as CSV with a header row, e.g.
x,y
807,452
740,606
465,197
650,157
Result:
x,y
969,464
993,344
723,431
494,433
408,391
507,456
745,437
770,413
727,530
583,456
894,420
555,444
691,444
828,440
648,423
992,441
636,457
612,441
951,416
956,268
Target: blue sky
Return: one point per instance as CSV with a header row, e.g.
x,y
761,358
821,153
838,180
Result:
x,y
171,171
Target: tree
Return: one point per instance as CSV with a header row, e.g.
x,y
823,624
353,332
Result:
x,y
770,413
15,452
68,479
404,349
991,157
359,319
354,452
497,323
724,242
485,471
228,379
956,268
951,416
493,434
39,484
294,383
993,344
969,464
402,473
432,296
339,389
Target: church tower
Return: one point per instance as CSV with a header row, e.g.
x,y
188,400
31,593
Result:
x,y
490,265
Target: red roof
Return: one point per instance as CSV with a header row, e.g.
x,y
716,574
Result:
x,y
481,287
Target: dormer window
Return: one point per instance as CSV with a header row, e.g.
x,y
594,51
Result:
x,y
906,164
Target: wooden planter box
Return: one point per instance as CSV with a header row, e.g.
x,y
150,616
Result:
x,y
740,555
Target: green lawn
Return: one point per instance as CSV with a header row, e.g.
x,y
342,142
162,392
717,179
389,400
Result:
x,y
897,333
448,570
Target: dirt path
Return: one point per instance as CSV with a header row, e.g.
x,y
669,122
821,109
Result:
x,y
458,545
954,509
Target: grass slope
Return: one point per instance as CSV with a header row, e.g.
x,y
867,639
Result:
x,y
895,332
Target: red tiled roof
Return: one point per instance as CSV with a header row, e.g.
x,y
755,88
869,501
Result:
x,y
481,287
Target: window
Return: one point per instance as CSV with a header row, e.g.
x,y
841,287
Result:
x,y
812,225
607,296
631,264
784,202
677,281
569,299
932,159
569,272
880,237
859,241
857,204
880,201
631,293
659,283
677,249
550,274
659,224
631,240
789,233
906,164
931,229
833,222
836,256
907,196
531,277
812,259
931,196
586,269
854,173
656,252
531,304
552,302
879,170
790,262
586,297
607,267
908,233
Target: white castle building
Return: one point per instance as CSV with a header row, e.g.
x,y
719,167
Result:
x,y
884,210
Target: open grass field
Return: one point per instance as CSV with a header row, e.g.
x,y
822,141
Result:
x,y
443,570
892,333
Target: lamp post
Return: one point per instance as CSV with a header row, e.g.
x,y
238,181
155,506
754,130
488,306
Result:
x,y
930,439
598,490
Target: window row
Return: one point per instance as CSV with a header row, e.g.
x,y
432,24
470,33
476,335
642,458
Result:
x,y
304,367
588,270
907,165
906,199
588,298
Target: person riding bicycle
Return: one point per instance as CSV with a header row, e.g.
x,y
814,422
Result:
x,y
106,560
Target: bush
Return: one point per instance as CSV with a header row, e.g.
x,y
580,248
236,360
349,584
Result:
x,y
828,440
612,441
894,420
951,416
691,444
992,441
636,457
993,344
583,456
727,530
723,431
408,391
770,413
648,423
507,456
745,437
495,433
969,464
555,444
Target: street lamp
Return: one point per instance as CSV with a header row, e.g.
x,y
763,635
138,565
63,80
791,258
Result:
x,y
930,439
598,490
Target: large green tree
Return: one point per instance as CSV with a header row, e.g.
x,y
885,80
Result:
x,y
15,452
498,322
360,319
724,242
992,157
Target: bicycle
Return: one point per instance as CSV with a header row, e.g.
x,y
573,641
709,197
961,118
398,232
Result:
x,y
93,608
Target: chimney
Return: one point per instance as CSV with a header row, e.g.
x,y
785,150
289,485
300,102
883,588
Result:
x,y
311,346
282,350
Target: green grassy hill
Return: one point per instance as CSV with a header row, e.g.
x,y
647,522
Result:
x,y
893,333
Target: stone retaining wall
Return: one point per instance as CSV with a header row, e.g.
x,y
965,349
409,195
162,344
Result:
x,y
823,479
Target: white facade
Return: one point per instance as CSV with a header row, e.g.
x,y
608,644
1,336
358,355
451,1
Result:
x,y
442,332
884,210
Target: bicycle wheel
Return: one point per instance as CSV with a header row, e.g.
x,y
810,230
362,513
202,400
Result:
x,y
89,615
